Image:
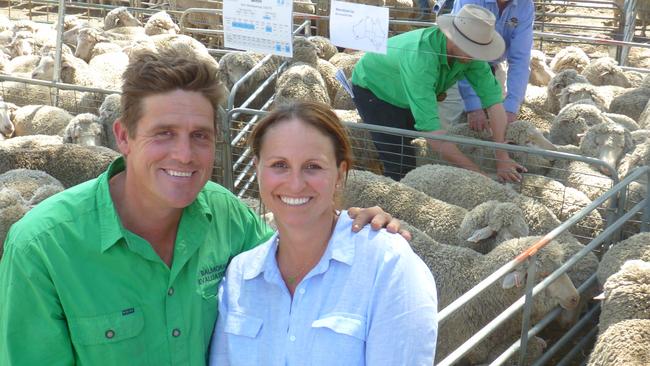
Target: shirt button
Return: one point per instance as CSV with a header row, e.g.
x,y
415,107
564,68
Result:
x,y
292,338
176,332
109,334
301,291
170,291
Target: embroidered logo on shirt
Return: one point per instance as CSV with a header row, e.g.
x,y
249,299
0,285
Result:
x,y
513,22
211,273
128,311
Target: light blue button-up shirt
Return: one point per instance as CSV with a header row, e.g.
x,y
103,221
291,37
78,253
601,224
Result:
x,y
369,301
515,25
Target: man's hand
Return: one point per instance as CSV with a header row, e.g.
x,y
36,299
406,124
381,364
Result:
x,y
377,218
511,117
477,120
509,171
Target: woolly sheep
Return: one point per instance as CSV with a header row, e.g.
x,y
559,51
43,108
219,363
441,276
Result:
x,y
328,72
27,183
564,202
623,343
71,164
444,222
22,44
324,47
644,118
635,78
631,103
6,125
458,269
160,23
343,100
623,121
23,65
40,120
85,129
73,70
626,294
234,65
570,58
607,142
108,69
304,51
581,176
572,121
12,208
634,247
560,81
539,117
301,82
638,157
345,62
109,111
120,17
602,96
540,72
640,136
605,71
535,96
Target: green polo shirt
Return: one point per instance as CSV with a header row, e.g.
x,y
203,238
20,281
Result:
x,y
415,70
76,287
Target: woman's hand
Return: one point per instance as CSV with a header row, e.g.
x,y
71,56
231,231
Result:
x,y
377,218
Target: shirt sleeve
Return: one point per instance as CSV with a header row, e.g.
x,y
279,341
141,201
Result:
x,y
403,325
483,83
519,58
33,328
419,82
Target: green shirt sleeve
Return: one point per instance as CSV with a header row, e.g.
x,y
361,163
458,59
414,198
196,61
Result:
x,y
419,82
33,329
486,86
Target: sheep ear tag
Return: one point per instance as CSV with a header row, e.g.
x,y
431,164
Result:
x,y
511,280
481,234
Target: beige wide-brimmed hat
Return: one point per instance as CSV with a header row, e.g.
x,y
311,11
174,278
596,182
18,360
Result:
x,y
472,30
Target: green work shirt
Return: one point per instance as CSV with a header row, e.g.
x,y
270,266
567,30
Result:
x,y
76,287
415,70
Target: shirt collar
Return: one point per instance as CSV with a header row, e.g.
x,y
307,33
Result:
x,y
341,248
110,225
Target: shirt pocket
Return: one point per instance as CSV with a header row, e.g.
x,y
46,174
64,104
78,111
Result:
x,y
209,307
339,335
109,336
242,338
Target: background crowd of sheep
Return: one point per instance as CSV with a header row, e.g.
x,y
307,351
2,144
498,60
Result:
x,y
464,231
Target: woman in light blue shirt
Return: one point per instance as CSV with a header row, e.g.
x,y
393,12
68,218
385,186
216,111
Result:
x,y
316,293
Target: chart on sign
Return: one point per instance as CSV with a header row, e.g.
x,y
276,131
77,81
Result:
x,y
259,25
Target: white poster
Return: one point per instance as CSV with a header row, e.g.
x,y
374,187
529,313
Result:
x,y
358,26
263,26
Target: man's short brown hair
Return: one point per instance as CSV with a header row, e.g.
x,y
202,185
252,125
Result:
x,y
157,72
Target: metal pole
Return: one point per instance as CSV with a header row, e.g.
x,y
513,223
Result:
x,y
525,325
59,46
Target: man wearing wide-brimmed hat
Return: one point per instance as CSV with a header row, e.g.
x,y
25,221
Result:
x,y
401,89
514,22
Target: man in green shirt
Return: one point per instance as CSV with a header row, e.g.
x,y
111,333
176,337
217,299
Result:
x,y
401,89
124,269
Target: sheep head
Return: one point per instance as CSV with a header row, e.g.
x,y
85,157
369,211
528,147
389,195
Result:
x,y
86,41
607,142
120,17
524,133
6,126
491,223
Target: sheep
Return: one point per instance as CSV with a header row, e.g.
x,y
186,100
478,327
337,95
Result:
x,y
564,202
458,269
605,71
572,121
328,72
85,129
40,120
539,117
634,247
23,65
623,121
626,294
120,17
234,65
644,118
325,48
607,142
442,221
12,208
640,136
540,72
631,103
560,81
364,153
623,343
71,164
160,23
343,100
73,70
638,157
109,111
301,82
108,69
22,44
635,78
602,96
7,110
570,58
535,96
581,176
27,183
345,62
304,51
